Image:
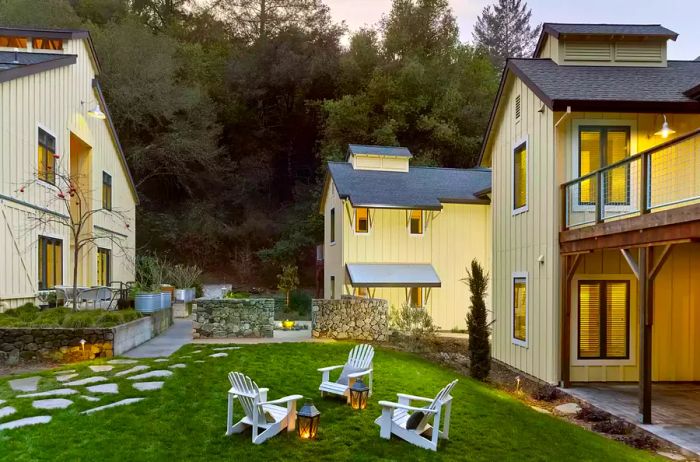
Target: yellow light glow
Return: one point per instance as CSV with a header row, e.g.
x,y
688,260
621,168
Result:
x,y
665,130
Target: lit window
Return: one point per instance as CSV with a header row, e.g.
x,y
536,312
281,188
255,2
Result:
x,y
13,42
362,220
598,147
106,191
104,260
332,218
603,321
520,178
47,161
416,297
47,44
416,222
50,262
520,309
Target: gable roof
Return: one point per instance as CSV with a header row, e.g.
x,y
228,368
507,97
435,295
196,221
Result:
x,y
603,30
393,151
424,188
14,65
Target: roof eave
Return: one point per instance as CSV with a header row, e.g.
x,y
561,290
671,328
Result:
x,y
23,71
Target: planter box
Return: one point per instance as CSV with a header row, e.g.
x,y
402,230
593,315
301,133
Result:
x,y
184,295
148,303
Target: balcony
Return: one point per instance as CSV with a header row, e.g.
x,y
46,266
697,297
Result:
x,y
638,193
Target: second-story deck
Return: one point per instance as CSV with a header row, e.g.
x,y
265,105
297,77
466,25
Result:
x,y
650,197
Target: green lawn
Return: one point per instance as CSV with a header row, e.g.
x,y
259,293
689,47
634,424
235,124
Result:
x,y
186,420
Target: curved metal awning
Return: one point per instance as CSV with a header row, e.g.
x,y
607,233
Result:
x,y
392,275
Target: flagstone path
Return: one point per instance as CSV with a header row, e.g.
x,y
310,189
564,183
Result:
x,y
26,384
118,403
55,403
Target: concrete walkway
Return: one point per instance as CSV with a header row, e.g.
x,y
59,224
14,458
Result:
x,y
167,343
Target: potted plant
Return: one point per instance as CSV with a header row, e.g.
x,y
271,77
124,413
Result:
x,y
148,297
185,279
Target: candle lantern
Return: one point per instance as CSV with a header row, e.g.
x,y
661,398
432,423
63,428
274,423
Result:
x,y
307,420
359,392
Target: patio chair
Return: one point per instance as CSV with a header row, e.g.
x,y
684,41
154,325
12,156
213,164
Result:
x,y
412,424
359,364
260,414
96,295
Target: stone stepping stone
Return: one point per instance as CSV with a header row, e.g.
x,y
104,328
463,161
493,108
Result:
x,y
540,410
87,380
132,370
147,386
185,357
160,360
56,403
177,366
218,355
104,388
122,361
196,351
148,375
567,409
65,378
26,421
101,368
199,361
671,455
57,392
227,348
26,384
2,401
7,410
90,398
123,402
67,371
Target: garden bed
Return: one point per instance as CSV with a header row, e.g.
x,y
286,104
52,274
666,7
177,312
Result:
x,y
30,316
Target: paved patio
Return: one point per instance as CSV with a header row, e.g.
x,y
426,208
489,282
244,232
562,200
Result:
x,y
675,408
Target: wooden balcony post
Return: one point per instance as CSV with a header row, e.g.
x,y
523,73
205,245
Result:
x,y
644,184
645,332
599,198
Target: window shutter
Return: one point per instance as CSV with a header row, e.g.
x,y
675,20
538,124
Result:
x,y
589,320
616,322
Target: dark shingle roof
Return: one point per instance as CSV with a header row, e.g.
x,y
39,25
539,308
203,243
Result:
x,y
14,65
627,88
379,150
419,188
629,30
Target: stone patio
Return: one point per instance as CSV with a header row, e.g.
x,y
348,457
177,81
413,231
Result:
x,y
675,408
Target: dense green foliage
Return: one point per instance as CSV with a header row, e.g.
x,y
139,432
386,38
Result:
x,y
227,111
185,420
29,315
477,322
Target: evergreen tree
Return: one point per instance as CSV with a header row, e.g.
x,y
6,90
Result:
x,y
504,31
477,323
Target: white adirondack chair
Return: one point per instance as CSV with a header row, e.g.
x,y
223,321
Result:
x,y
395,416
359,364
260,413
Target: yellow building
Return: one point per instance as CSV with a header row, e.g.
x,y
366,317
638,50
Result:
x,y
54,124
595,152
405,234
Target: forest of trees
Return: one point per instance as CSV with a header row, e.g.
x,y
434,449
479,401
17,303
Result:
x,y
228,109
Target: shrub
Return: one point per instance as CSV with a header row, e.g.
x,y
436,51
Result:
x,y
546,393
25,313
415,323
151,272
288,280
613,427
300,302
477,323
234,294
66,317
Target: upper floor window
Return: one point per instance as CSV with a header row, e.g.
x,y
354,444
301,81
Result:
x,y
362,220
519,313
520,178
47,159
50,262
332,226
332,287
598,147
416,222
106,191
13,42
603,320
47,44
104,265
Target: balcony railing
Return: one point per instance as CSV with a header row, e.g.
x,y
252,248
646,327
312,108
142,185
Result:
x,y
662,177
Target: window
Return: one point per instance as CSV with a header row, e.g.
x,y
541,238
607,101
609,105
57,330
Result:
x,y
332,287
416,222
520,178
47,159
520,309
104,263
416,297
106,191
517,108
362,220
332,226
50,262
13,42
603,319
47,44
598,147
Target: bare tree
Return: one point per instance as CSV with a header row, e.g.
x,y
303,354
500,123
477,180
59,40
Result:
x,y
76,209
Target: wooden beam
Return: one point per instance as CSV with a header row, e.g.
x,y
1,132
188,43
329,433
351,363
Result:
x,y
630,261
659,264
645,335
573,267
569,266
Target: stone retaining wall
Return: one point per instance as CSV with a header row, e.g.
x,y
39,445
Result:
x,y
232,318
351,318
63,345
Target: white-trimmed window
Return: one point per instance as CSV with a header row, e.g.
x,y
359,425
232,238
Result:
x,y
46,149
362,220
520,182
603,319
519,309
415,223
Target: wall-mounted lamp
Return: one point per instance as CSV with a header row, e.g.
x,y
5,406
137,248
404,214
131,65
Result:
x,y
95,112
665,129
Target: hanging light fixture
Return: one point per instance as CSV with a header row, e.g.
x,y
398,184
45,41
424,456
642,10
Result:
x,y
665,129
97,113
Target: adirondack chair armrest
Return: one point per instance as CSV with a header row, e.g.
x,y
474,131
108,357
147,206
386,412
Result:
x,y
403,396
359,374
286,399
330,368
408,408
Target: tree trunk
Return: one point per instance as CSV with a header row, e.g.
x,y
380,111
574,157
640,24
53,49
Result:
x,y
76,252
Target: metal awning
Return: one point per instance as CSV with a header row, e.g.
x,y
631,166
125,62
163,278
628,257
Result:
x,y
392,275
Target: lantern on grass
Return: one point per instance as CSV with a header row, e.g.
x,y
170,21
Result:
x,y
307,420
358,394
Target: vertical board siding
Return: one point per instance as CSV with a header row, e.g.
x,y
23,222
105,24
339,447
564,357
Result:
x,y
52,99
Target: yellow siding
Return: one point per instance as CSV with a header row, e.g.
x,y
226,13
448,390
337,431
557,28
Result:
x,y
52,99
520,240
